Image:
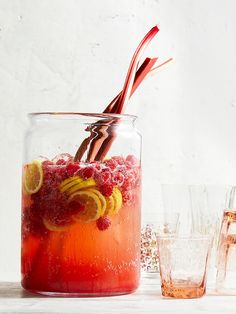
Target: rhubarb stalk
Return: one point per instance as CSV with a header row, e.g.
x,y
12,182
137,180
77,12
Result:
x,y
112,108
126,92
102,136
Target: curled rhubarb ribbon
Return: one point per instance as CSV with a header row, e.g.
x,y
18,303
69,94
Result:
x,y
102,136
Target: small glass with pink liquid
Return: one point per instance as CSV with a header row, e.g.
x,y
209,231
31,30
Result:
x,y
81,208
184,265
226,253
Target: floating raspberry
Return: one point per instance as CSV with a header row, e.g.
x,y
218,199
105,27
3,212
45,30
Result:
x,y
111,163
119,160
48,172
72,168
54,209
130,181
97,166
46,163
87,172
106,189
53,173
104,177
131,177
125,186
60,162
60,174
47,175
103,223
132,160
127,197
118,178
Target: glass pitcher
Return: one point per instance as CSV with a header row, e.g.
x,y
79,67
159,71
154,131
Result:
x,y
81,205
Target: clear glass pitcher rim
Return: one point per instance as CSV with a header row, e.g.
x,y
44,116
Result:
x,y
82,115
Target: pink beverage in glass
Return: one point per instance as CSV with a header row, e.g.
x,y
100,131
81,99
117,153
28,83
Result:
x,y
226,255
184,265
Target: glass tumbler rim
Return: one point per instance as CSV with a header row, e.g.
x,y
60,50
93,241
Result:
x,y
193,237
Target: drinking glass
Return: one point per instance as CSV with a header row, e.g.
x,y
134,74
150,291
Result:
x,y
226,255
186,209
183,265
81,216
199,206
166,224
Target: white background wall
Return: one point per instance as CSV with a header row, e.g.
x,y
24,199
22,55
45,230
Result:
x,y
67,55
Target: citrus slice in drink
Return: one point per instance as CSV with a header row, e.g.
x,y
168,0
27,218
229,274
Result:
x,y
92,206
101,198
117,196
33,177
110,205
79,185
114,202
68,183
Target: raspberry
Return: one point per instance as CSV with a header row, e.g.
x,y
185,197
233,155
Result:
x,y
54,209
72,168
97,166
87,172
118,178
106,189
61,174
126,185
46,163
111,163
130,159
130,180
53,174
127,197
103,177
47,175
119,160
50,203
103,223
60,162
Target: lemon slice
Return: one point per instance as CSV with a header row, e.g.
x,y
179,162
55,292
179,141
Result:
x,y
81,185
101,198
110,205
33,177
68,183
117,196
51,227
92,204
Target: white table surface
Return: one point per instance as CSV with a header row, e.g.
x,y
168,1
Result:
x,y
147,299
